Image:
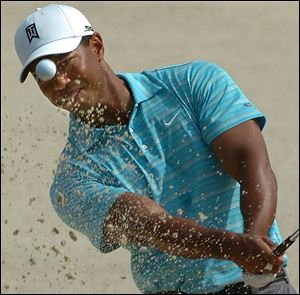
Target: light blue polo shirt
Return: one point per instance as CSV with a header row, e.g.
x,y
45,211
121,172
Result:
x,y
163,153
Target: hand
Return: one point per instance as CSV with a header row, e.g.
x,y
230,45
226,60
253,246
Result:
x,y
253,253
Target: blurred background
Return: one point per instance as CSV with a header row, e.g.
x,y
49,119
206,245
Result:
x,y
257,42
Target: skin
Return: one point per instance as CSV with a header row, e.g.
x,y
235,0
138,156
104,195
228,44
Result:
x,y
137,219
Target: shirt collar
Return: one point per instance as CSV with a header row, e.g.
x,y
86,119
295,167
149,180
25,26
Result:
x,y
84,136
141,86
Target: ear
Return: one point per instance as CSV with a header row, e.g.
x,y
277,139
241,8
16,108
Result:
x,y
97,46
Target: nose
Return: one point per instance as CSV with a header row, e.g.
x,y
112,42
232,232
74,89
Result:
x,y
60,81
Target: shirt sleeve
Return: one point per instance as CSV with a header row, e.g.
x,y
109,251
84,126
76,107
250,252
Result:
x,y
83,202
218,101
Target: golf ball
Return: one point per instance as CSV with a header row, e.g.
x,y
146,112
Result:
x,y
45,69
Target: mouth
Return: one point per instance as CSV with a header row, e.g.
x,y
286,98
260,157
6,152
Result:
x,y
68,102
74,95
71,98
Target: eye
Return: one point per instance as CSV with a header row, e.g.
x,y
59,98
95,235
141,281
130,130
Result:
x,y
61,66
64,63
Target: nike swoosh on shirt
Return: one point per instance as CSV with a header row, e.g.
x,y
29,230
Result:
x,y
171,121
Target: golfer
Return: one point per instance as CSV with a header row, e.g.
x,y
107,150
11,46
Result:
x,y
168,163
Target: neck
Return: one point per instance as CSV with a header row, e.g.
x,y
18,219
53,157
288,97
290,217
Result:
x,y
117,107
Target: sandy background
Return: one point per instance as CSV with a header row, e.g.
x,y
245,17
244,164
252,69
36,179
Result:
x,y
256,42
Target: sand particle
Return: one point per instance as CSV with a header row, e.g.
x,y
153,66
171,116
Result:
x,y
55,250
60,199
55,230
72,236
16,232
179,212
70,276
32,261
202,217
31,200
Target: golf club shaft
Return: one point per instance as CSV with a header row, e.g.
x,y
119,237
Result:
x,y
280,249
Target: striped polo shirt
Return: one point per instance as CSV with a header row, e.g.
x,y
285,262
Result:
x,y
164,152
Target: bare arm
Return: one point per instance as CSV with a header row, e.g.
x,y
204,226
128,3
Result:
x,y
243,154
139,220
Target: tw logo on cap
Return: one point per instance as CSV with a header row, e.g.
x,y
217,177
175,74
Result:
x,y
31,32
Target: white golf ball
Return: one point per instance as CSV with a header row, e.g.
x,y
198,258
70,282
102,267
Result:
x,y
45,69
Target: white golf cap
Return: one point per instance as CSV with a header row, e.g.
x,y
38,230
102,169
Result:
x,y
53,29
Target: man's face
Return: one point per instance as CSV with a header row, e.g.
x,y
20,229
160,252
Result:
x,y
77,84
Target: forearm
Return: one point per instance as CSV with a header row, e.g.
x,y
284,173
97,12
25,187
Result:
x,y
258,199
135,219
183,237
140,221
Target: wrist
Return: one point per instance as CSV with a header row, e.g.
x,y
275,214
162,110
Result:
x,y
230,244
223,244
257,229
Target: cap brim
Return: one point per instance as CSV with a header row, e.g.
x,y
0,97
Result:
x,y
56,47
